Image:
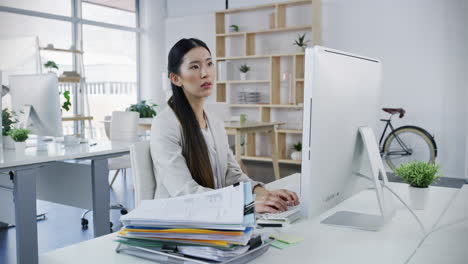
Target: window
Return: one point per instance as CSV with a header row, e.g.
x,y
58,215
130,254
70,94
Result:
x,y
56,7
109,44
110,68
119,13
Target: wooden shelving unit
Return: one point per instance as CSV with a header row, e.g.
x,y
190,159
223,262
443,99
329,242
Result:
x,y
278,25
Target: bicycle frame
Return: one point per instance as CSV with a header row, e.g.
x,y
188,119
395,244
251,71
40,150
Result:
x,y
405,150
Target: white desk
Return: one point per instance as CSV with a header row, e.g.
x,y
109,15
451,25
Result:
x,y
24,167
449,243
322,244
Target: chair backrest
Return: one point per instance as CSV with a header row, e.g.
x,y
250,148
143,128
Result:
x,y
107,121
142,168
124,126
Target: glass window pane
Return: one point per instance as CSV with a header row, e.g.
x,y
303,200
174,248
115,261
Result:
x,y
19,40
113,15
111,74
56,7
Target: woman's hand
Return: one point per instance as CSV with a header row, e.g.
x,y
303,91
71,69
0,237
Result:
x,y
274,201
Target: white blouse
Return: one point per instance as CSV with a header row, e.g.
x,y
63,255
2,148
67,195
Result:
x,y
208,135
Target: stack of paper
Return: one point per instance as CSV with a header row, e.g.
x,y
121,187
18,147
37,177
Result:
x,y
209,225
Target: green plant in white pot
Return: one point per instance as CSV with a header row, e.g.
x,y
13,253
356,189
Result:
x,y
19,135
244,68
297,153
419,175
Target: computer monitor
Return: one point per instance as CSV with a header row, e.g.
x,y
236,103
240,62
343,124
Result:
x,y
342,96
35,98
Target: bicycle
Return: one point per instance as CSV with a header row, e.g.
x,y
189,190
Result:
x,y
406,143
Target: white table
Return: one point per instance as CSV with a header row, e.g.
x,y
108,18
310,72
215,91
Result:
x,y
322,243
449,242
23,168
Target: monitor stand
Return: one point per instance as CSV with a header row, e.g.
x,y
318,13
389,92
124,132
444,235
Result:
x,y
368,221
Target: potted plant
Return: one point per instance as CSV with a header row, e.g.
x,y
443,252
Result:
x,y
7,122
233,28
419,175
147,111
50,65
19,135
297,153
301,42
243,71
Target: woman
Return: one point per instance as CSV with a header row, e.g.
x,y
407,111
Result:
x,y
189,146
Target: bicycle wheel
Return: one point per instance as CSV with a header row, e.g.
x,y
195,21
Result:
x,y
407,144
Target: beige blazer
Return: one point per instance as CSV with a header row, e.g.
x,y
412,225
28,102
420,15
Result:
x,y
173,177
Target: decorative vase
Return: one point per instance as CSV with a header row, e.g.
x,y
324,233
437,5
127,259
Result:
x,y
418,197
243,76
296,155
8,142
20,146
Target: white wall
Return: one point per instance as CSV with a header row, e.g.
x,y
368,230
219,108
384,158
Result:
x,y
421,44
198,26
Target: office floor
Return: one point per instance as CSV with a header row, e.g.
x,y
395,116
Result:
x,y
62,226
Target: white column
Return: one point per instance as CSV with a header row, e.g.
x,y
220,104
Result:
x,y
152,50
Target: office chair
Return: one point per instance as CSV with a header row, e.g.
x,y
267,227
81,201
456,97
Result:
x,y
123,127
144,182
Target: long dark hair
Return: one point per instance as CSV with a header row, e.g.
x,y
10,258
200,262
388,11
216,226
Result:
x,y
194,148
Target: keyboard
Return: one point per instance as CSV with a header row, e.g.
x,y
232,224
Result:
x,y
279,219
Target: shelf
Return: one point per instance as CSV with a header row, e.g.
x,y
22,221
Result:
x,y
234,34
266,6
289,131
76,118
258,56
69,79
269,159
244,81
62,50
290,161
256,158
266,105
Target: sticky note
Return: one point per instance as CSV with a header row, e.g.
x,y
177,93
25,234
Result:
x,y
280,245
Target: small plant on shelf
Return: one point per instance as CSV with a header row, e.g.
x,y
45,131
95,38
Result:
x,y
244,68
51,65
145,110
301,42
297,146
66,105
234,28
297,153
